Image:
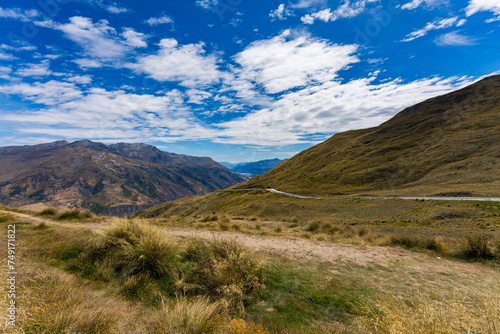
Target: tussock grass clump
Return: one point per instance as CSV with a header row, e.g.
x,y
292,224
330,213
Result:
x,y
140,287
478,248
47,212
224,269
197,316
313,226
6,217
40,227
75,215
416,242
133,248
209,218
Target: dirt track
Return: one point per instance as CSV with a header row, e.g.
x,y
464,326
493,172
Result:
x,y
293,248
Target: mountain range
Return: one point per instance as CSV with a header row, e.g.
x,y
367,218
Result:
x,y
118,179
445,145
253,168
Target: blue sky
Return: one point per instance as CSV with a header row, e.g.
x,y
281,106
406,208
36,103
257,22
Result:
x,y
236,80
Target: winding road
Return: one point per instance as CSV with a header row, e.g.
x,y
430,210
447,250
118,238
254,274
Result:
x,y
427,198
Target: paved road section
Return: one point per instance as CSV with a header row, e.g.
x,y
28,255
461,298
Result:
x,y
427,198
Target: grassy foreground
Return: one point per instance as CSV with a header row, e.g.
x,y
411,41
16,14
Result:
x,y
467,230
134,277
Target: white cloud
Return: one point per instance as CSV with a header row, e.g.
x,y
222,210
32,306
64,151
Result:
x,y
429,4
332,107
86,63
436,25
19,14
35,70
98,40
484,5
285,62
207,4
7,56
5,72
116,9
154,21
281,13
49,93
18,48
198,96
455,39
346,10
81,79
134,39
308,3
187,64
98,113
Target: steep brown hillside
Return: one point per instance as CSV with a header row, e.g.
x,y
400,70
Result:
x,y
448,144
112,179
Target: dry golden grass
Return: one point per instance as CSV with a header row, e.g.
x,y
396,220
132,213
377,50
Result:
x,y
197,316
424,293
440,226
51,301
432,313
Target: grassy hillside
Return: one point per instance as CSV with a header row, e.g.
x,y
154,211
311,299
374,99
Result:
x,y
448,144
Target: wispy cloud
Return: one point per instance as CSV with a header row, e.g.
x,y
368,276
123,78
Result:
x,y
35,70
207,4
454,38
295,116
436,25
154,21
281,13
484,5
307,3
116,9
347,10
429,4
5,72
98,40
19,14
7,56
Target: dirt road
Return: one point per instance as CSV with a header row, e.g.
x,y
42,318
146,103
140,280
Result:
x,y
293,248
